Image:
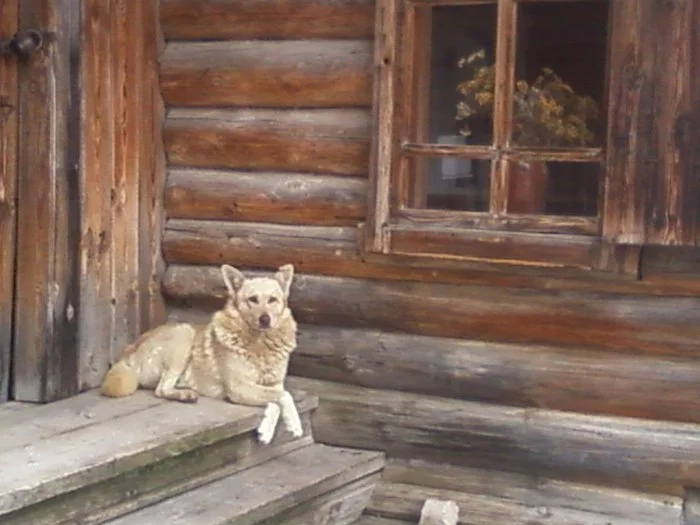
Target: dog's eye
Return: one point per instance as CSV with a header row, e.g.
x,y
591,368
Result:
x,y
272,300
253,299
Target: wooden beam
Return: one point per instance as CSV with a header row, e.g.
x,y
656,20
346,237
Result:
x,y
574,380
326,249
606,451
301,199
665,326
123,173
9,103
46,323
547,497
333,141
265,74
267,19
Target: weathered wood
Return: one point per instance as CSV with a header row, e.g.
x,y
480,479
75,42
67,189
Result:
x,y
122,179
86,454
652,191
342,506
333,251
264,493
536,492
691,507
300,199
530,376
267,19
152,170
620,452
333,141
9,103
310,74
641,325
45,363
96,167
404,501
136,489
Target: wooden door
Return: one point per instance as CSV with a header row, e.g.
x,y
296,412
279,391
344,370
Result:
x,y
39,201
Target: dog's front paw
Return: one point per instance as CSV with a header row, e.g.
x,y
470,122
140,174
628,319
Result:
x,y
266,428
290,416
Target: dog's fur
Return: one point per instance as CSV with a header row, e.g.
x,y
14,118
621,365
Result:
x,y
241,355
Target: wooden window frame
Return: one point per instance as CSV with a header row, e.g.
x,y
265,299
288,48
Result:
x,y
395,232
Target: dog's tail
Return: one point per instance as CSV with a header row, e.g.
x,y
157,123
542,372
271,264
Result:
x,y
120,381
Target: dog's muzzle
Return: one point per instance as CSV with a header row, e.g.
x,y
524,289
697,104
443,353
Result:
x,y
264,321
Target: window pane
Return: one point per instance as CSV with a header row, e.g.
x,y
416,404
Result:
x,y
461,90
452,183
560,74
554,188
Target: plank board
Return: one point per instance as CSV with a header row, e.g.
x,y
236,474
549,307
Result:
x,y
9,102
87,454
264,491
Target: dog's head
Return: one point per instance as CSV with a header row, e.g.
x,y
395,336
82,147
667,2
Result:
x,y
260,301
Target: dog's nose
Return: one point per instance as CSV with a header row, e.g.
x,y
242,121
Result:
x,y
264,321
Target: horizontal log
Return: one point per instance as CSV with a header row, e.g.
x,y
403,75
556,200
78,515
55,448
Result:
x,y
272,19
271,197
329,250
540,493
332,141
520,375
654,325
621,452
307,74
404,501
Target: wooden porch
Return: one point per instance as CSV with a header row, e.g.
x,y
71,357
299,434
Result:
x,y
141,460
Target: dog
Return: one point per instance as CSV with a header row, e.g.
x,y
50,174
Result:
x,y
242,354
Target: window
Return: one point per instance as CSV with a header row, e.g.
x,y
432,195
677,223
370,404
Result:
x,y
545,132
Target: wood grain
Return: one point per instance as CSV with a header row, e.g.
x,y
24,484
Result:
x,y
298,199
570,379
45,331
333,251
86,454
268,74
267,19
652,193
334,141
535,492
668,326
9,102
122,180
616,452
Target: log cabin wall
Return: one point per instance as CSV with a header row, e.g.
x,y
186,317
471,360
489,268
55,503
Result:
x,y
267,136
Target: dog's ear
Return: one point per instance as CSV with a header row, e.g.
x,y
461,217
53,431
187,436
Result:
x,y
284,276
233,279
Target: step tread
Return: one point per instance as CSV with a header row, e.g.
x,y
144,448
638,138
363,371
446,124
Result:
x,y
264,491
83,441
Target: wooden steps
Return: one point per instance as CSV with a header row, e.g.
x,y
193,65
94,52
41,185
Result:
x,y
314,484
89,459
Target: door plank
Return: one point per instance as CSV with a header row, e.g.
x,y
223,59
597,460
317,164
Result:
x,y
9,13
45,362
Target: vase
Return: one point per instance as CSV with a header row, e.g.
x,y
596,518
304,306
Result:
x,y
527,187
